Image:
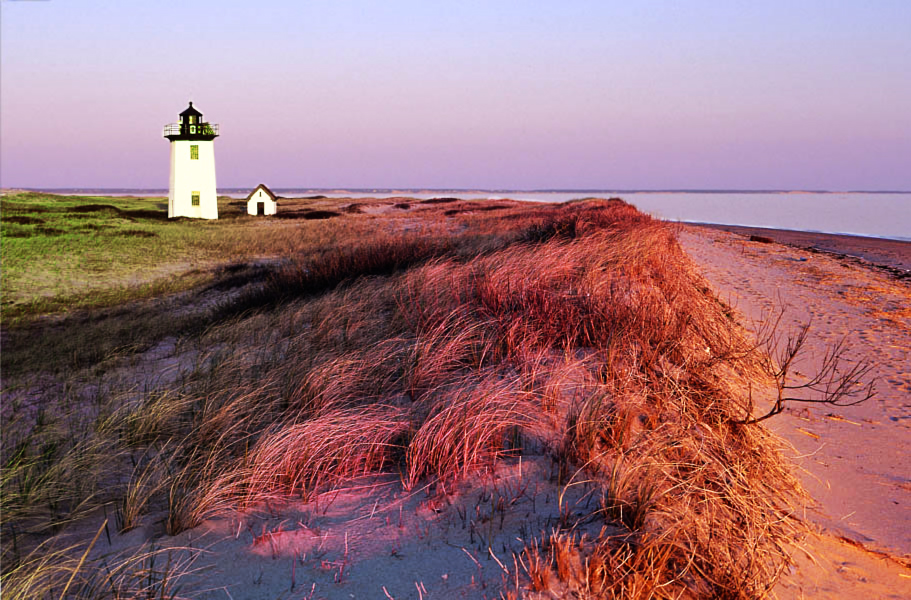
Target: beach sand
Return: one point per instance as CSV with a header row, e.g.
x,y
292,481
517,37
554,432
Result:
x,y
853,460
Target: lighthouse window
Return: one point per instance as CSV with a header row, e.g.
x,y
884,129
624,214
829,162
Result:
x,y
194,199
194,152
192,119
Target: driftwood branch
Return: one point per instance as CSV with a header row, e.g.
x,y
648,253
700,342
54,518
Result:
x,y
837,382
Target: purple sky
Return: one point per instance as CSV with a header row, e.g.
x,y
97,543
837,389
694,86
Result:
x,y
469,94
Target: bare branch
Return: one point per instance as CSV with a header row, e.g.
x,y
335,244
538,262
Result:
x,y
838,382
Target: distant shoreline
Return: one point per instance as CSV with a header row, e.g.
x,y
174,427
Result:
x,y
713,211
888,254
339,190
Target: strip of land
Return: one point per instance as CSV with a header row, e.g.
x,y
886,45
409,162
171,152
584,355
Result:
x,y
893,255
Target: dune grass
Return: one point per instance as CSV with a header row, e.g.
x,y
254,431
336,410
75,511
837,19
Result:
x,y
428,345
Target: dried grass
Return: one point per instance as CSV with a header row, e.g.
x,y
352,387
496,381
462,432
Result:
x,y
329,449
583,328
465,428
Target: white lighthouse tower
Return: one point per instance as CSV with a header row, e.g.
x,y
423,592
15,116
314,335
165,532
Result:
x,y
192,189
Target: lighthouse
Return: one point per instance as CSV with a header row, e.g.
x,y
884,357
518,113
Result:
x,y
192,189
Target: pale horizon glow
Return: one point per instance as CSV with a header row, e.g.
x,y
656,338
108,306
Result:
x,y
469,95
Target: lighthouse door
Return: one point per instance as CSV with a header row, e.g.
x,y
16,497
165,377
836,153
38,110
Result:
x,y
260,209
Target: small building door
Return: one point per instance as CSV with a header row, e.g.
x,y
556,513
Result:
x,y
260,209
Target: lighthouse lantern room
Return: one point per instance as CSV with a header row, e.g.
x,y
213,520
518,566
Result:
x,y
192,189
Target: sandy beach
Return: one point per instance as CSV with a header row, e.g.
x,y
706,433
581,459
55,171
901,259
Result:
x,y
853,460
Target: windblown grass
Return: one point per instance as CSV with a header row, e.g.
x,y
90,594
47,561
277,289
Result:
x,y
149,572
466,428
580,331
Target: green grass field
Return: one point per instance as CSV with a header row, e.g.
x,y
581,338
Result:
x,y
61,253
66,252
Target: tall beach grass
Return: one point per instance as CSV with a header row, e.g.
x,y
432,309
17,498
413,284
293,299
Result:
x,y
425,342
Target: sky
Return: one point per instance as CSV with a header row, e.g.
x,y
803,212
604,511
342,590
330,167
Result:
x,y
487,94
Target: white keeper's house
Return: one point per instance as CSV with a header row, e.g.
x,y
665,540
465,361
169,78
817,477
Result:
x,y
262,201
192,189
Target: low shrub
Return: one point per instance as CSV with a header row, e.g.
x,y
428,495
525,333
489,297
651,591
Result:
x,y
438,200
24,220
310,215
137,233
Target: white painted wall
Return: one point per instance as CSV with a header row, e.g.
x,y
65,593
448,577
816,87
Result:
x,y
188,176
260,196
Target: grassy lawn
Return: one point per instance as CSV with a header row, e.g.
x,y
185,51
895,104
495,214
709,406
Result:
x,y
61,253
91,259
64,252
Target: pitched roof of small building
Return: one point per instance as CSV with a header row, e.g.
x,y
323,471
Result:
x,y
264,188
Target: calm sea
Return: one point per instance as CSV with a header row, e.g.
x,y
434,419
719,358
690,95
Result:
x,y
886,215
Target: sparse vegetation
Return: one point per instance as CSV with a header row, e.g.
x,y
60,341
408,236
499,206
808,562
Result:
x,y
423,344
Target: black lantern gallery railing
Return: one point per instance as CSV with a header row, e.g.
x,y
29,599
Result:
x,y
185,129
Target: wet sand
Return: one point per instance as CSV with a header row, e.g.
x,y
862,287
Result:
x,y
894,256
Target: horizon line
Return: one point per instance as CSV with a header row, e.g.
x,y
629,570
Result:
x,y
491,190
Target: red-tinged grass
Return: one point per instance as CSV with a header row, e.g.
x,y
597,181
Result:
x,y
465,428
537,567
581,327
385,253
330,268
326,450
440,351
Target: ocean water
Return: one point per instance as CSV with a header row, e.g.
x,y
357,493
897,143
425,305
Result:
x,y
886,215
874,214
